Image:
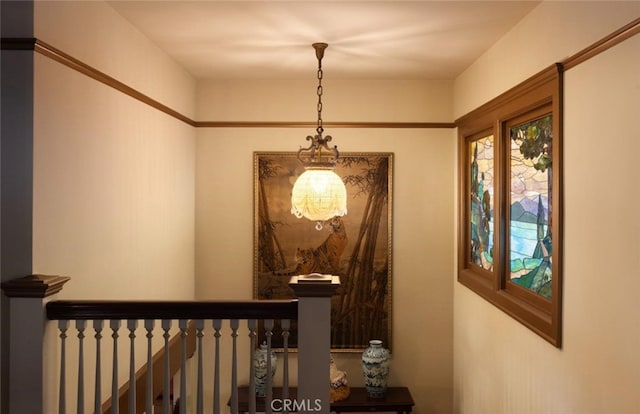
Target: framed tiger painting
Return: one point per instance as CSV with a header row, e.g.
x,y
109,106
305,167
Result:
x,y
356,247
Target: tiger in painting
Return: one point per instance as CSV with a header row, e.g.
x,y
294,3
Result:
x,y
325,258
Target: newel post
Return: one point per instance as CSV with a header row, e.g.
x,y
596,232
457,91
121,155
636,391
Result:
x,y
314,341
27,322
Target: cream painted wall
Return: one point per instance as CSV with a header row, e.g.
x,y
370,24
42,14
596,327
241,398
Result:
x,y
499,365
553,31
423,195
94,33
343,100
113,191
114,179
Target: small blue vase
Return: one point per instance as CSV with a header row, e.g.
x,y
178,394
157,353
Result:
x,y
375,366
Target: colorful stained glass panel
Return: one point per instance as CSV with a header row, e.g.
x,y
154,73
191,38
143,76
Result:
x,y
481,202
530,205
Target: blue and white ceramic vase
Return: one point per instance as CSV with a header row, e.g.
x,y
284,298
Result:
x,y
260,366
375,366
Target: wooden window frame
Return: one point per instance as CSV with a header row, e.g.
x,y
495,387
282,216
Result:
x,y
535,97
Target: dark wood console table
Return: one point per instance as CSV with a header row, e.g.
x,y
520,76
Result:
x,y
398,399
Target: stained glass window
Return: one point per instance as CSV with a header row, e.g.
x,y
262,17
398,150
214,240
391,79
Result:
x,y
530,244
481,202
510,221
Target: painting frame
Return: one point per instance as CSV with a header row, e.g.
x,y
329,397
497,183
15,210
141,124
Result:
x,y
525,124
362,308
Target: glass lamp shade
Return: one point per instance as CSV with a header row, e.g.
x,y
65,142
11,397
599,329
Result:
x,y
318,195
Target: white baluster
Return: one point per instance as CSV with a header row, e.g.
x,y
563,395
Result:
x,y
286,326
217,324
62,401
149,325
268,331
80,326
132,325
199,335
114,325
97,393
182,324
253,333
234,366
166,393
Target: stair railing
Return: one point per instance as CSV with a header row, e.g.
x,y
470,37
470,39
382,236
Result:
x,y
35,337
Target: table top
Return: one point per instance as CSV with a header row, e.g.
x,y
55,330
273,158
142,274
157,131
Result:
x,y
397,399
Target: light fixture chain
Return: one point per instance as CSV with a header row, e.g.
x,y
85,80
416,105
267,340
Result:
x,y
320,128
312,156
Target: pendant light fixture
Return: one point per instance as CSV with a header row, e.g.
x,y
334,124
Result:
x,y
319,193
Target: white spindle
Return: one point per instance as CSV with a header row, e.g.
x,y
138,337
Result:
x,y
62,401
114,325
80,326
253,328
97,393
166,393
182,324
286,325
200,391
217,324
268,331
149,325
132,325
234,366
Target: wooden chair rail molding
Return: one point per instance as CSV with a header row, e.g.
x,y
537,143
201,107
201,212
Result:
x,y
37,45
607,42
45,49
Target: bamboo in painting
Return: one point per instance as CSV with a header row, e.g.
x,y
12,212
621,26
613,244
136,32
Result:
x,y
356,247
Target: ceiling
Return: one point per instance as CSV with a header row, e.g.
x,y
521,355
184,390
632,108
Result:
x,y
367,39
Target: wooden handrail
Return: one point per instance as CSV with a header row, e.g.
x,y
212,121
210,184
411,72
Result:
x,y
122,310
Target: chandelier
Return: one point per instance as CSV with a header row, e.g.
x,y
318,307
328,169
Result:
x,y
319,194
